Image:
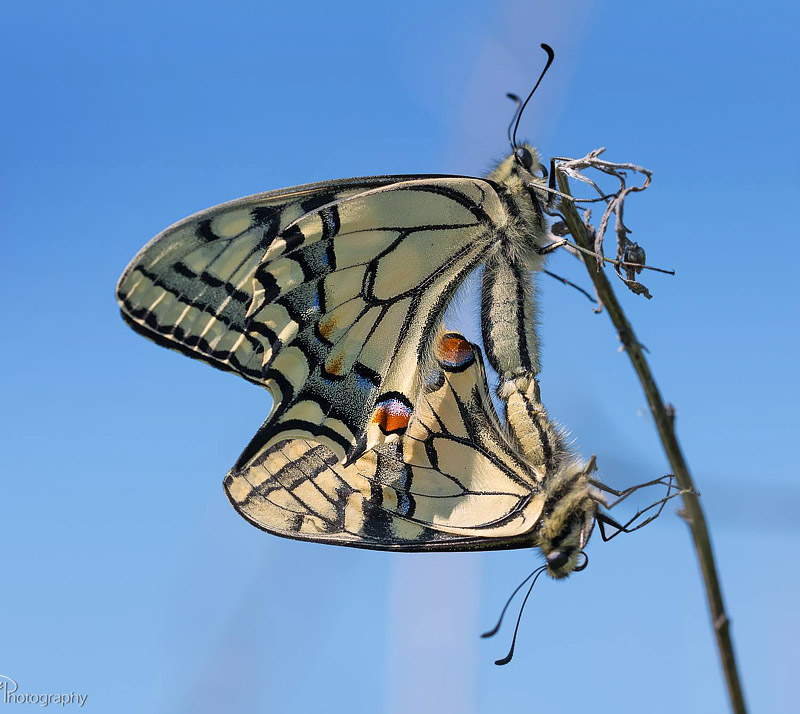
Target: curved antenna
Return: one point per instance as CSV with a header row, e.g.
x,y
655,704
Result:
x,y
550,56
493,631
514,98
507,658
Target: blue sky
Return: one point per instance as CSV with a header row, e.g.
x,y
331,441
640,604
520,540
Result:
x,y
126,574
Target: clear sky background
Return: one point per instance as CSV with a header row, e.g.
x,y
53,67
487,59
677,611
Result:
x,y
125,573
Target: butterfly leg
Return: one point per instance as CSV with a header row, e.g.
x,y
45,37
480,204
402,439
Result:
x,y
604,519
622,495
570,284
551,184
550,247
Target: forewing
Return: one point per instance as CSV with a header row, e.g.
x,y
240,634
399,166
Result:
x,y
447,477
190,287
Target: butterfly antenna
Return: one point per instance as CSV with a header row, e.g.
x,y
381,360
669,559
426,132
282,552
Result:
x,y
514,98
493,631
550,56
507,658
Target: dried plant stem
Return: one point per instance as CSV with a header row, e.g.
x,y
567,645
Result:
x,y
664,417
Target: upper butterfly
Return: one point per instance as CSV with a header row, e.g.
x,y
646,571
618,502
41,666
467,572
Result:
x,y
331,294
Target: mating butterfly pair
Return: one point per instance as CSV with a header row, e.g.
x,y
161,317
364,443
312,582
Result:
x,y
382,432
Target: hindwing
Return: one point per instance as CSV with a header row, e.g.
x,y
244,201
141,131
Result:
x,y
446,477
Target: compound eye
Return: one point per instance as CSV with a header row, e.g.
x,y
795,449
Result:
x,y
524,157
557,559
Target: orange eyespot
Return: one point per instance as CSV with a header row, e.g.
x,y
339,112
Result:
x,y
454,351
392,415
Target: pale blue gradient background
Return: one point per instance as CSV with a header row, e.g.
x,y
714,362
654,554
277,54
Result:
x,y
125,573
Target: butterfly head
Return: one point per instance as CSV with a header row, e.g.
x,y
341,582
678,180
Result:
x,y
523,165
527,160
523,178
567,522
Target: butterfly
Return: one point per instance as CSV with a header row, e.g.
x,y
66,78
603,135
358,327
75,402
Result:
x,y
382,433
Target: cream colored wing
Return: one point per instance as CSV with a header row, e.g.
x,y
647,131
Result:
x,y
189,288
330,305
446,477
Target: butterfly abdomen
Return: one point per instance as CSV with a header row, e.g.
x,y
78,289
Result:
x,y
508,315
539,440
508,318
567,516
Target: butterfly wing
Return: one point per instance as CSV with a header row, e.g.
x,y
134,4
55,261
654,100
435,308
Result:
x,y
447,478
189,288
329,295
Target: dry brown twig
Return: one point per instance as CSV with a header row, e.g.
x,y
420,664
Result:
x,y
589,243
630,255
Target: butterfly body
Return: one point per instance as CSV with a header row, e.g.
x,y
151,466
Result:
x,y
382,432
